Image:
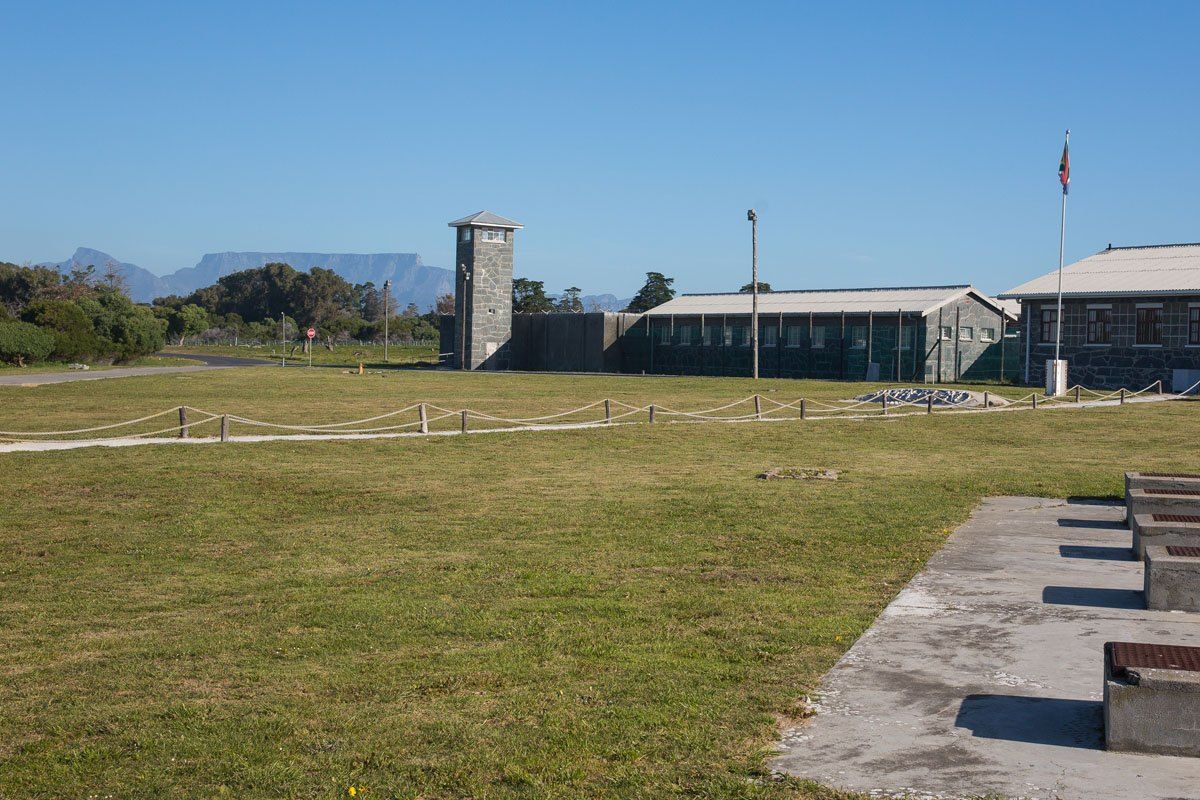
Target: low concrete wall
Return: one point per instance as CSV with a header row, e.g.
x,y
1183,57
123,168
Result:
x,y
1149,501
1148,532
1172,583
1152,711
1144,480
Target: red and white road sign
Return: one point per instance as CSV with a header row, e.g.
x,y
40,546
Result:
x,y
312,332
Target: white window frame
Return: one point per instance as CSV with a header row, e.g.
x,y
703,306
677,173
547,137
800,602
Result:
x,y
495,236
1188,322
945,333
465,234
966,333
818,342
987,335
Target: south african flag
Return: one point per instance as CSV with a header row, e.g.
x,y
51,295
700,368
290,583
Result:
x,y
1064,168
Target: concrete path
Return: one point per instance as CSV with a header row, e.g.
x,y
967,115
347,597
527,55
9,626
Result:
x,y
210,362
985,674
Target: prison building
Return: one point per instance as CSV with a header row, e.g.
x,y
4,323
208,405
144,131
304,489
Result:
x,y
1131,316
922,333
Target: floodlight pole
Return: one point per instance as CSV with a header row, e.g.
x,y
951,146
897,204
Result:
x,y
753,217
387,289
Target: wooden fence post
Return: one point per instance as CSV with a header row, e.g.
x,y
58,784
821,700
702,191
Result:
x,y
651,413
424,416
224,427
1122,396
464,420
757,407
1034,396
608,411
986,402
885,402
801,408
183,426
1076,394
929,399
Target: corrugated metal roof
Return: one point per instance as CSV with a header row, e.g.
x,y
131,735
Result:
x,y
913,299
1123,271
486,218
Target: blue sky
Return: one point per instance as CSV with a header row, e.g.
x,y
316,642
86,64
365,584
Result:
x,y
882,144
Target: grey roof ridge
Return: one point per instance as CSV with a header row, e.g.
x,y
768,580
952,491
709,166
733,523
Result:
x,y
827,291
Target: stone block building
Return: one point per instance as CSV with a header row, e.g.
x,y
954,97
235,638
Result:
x,y
1131,316
483,278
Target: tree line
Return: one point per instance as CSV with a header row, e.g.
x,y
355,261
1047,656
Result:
x,y
277,301
46,315
529,296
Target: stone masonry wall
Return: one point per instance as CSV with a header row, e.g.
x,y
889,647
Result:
x,y
484,301
1122,363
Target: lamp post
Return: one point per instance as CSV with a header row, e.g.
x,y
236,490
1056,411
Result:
x,y
753,217
387,290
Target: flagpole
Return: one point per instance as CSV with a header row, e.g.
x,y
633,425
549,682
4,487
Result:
x,y
1062,239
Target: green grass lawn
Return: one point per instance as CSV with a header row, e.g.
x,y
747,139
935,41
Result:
x,y
615,613
342,355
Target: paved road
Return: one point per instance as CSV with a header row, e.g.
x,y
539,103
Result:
x,y
210,362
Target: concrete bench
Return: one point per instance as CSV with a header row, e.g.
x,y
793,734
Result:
x,y
1164,529
1158,500
1152,698
1172,578
1158,480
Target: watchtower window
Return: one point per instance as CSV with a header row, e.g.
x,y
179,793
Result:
x,y
465,234
490,235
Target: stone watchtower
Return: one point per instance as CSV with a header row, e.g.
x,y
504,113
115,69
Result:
x,y
483,290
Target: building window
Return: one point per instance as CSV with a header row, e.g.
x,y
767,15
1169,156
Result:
x,y
1049,325
465,234
711,334
1194,325
662,334
1099,325
818,338
987,334
491,235
685,334
1149,326
966,333
770,336
742,335
795,335
945,332
858,337
906,338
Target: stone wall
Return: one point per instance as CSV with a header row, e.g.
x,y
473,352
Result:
x,y
485,300
1122,362
968,355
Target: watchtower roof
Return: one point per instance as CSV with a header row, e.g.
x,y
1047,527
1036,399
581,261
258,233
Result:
x,y
486,219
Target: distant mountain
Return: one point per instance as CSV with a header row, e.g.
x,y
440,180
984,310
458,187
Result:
x,y
604,302
598,302
412,280
143,285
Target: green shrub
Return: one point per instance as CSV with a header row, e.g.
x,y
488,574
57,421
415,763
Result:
x,y
21,342
126,331
74,337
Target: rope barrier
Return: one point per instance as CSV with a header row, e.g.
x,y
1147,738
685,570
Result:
x,y
808,408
